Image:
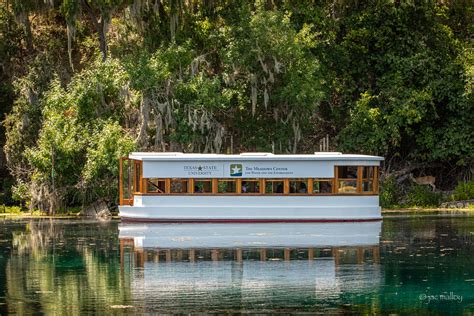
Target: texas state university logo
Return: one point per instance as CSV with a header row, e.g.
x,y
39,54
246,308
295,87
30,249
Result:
x,y
236,170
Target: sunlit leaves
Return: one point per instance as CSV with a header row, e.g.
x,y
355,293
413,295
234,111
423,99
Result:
x,y
80,140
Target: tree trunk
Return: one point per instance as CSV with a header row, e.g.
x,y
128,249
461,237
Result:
x,y
102,38
28,33
99,27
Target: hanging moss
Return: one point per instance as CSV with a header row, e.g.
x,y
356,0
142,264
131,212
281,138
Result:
x,y
393,79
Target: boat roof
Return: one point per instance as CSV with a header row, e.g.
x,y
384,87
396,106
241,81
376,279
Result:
x,y
179,156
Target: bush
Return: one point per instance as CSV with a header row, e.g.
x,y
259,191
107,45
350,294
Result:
x,y
20,191
390,193
464,191
11,209
421,195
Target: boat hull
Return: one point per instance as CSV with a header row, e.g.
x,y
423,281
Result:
x,y
252,209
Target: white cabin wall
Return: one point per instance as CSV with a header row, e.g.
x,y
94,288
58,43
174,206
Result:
x,y
254,207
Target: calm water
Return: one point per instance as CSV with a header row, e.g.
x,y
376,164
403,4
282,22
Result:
x,y
423,265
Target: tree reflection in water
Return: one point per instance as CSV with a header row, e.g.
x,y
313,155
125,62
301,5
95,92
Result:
x,y
63,268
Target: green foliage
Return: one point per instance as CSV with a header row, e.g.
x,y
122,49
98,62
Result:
x,y
422,196
20,191
70,9
390,193
411,99
464,191
23,121
81,141
10,49
100,172
10,44
388,78
281,77
11,209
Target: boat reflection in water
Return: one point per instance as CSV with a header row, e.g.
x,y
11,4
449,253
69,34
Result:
x,y
235,267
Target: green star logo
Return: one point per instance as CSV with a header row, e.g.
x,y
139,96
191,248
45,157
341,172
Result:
x,y
236,170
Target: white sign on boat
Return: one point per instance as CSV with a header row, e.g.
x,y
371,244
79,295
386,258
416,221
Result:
x,y
238,169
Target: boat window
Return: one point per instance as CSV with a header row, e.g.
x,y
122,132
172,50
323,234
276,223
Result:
x,y
250,186
321,186
347,172
347,186
126,181
154,185
179,186
137,176
368,173
367,186
274,186
298,186
347,179
365,183
202,186
226,186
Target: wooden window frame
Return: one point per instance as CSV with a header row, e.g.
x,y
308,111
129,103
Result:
x,y
121,181
286,187
169,186
211,180
331,180
190,186
257,180
261,182
337,180
146,181
376,180
130,179
359,179
272,180
298,180
310,186
225,180
214,185
138,185
238,186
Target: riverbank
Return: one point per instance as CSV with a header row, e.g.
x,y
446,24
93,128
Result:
x,y
415,212
385,213
41,216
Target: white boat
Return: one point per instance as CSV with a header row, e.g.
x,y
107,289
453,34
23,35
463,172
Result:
x,y
250,187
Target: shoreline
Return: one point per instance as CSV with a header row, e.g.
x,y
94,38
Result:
x,y
388,213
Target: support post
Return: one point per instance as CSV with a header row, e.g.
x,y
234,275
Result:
x,y
191,255
376,180
286,186
238,255
263,254
121,181
359,179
